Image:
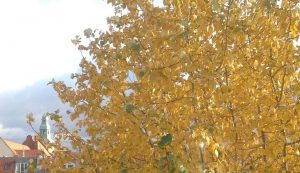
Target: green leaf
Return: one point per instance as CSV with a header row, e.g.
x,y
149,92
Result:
x,y
88,32
134,46
119,56
216,6
211,130
165,141
129,108
102,43
123,170
76,41
183,55
142,73
55,117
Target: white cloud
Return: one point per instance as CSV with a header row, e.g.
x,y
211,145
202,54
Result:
x,y
12,133
35,37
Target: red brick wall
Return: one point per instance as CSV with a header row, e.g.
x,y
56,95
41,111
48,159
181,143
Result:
x,y
9,161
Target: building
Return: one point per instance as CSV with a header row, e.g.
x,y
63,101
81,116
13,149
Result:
x,y
16,158
45,129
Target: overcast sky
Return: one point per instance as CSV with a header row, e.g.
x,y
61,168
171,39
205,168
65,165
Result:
x,y
35,47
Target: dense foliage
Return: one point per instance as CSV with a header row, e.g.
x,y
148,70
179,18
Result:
x,y
187,86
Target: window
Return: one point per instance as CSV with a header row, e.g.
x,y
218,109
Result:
x,y
7,166
17,168
69,165
21,168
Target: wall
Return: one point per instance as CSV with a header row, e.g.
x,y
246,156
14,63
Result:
x,y
5,151
9,161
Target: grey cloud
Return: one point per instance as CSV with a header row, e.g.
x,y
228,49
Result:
x,y
14,106
15,133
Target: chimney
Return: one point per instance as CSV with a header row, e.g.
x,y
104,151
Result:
x,y
29,142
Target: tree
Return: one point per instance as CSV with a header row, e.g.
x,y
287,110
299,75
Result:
x,y
189,86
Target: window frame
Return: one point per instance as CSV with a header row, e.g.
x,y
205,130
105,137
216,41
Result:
x,y
7,166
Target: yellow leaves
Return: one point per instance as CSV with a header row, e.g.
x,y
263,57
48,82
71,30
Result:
x,y
202,5
157,76
177,5
297,152
194,135
294,124
210,78
30,119
295,30
165,34
211,145
216,153
255,64
261,20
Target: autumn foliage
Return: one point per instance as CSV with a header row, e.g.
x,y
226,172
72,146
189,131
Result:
x,y
187,86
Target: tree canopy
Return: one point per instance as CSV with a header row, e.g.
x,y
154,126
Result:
x,y
186,86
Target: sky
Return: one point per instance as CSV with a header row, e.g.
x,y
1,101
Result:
x,y
35,46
